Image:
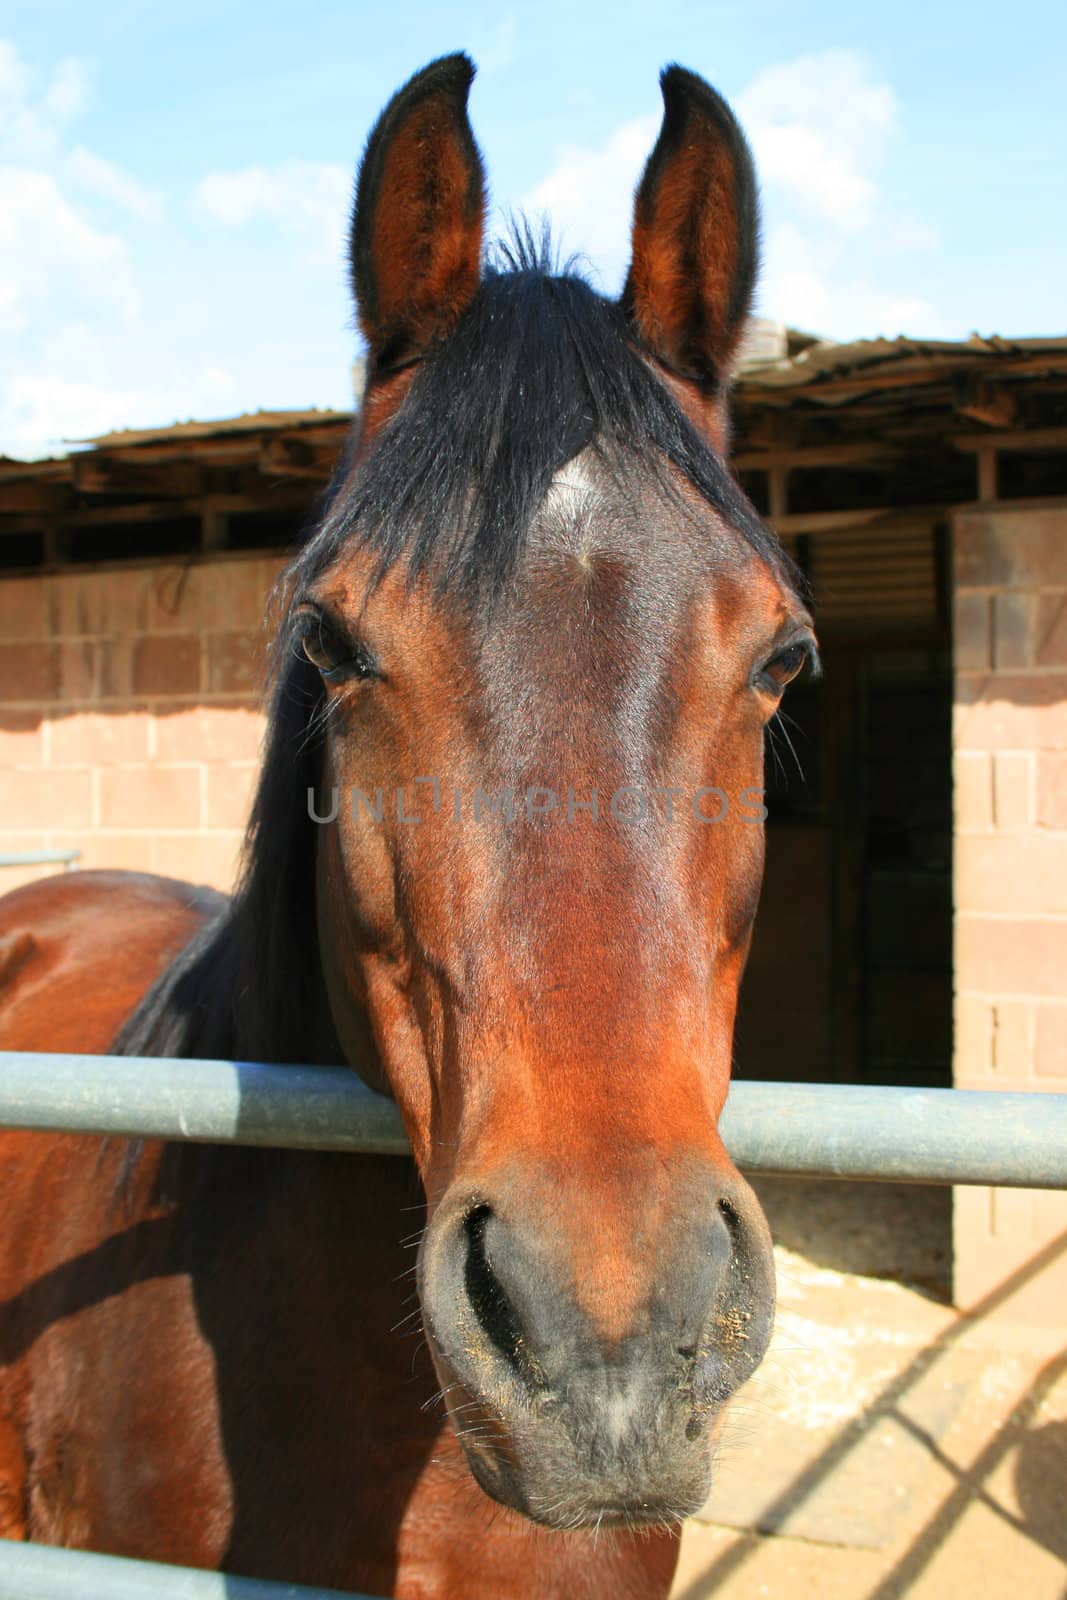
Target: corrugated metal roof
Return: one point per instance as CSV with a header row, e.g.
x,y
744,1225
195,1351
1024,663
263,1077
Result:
x,y
826,360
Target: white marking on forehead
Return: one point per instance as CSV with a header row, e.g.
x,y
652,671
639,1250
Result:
x,y
572,496
574,481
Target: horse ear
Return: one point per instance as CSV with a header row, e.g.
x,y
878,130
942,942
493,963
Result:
x,y
419,215
695,234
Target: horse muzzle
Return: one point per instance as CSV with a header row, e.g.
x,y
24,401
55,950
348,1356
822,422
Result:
x,y
588,1395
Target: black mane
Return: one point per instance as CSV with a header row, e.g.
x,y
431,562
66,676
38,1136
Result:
x,y
539,368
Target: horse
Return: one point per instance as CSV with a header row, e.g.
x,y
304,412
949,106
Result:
x,y
503,861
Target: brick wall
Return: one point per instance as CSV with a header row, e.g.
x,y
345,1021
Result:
x,y
1010,768
129,720
129,728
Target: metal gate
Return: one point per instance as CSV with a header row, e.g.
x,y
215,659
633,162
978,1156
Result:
x,y
944,1136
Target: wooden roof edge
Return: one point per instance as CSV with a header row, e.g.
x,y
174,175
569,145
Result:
x,y
188,441
245,422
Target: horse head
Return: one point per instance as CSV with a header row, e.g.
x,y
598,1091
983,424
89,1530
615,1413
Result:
x,y
542,632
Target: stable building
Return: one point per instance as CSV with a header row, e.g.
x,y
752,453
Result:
x,y
914,920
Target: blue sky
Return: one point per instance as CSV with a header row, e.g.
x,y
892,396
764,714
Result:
x,y
174,180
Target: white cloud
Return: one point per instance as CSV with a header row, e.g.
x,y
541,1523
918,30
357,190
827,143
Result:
x,y
48,248
84,351
820,126
97,176
309,199
589,196
33,117
806,274
68,290
68,90
41,414
494,51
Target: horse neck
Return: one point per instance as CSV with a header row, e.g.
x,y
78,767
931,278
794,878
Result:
x,y
240,989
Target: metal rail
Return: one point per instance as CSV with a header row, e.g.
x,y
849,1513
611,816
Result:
x,y
828,1130
39,858
40,1572
813,1129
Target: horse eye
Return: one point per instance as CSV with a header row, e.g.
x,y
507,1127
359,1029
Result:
x,y
783,667
329,651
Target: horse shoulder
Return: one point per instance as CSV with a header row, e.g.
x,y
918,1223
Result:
x,y
78,951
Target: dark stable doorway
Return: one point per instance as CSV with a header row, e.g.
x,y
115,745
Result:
x,y
850,975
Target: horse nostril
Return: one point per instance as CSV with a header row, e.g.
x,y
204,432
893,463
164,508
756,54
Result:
x,y
732,1221
488,1300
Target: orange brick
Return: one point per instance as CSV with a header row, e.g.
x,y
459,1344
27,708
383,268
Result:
x,y
229,795
166,664
28,672
995,1243
68,738
23,614
1012,631
126,852
98,604
21,740
208,733
1010,955
271,609
45,800
1050,630
95,669
235,594
1011,711
114,670
210,858
971,632
973,791
78,670
1050,1048
1013,784
28,839
1011,549
99,738
150,798
174,600
236,663
1052,791
1021,872
973,1042
1013,1043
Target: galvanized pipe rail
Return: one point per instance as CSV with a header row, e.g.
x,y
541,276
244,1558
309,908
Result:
x,y
39,858
896,1135
42,1572
815,1129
